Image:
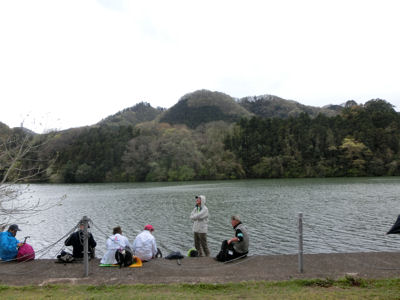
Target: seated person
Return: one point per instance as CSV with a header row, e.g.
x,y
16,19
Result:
x,y
144,245
114,242
76,241
237,246
9,244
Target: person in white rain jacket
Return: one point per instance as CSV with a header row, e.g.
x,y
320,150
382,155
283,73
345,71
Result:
x,y
199,216
144,245
114,242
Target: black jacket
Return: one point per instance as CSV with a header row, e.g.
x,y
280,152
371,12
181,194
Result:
x,y
76,241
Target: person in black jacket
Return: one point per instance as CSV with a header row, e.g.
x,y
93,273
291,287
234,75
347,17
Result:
x,y
76,241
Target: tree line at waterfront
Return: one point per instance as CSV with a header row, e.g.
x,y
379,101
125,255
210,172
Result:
x,y
362,140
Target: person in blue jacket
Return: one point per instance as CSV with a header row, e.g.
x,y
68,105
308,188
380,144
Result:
x,y
9,244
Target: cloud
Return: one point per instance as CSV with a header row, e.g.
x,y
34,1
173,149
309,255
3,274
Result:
x,y
118,5
80,61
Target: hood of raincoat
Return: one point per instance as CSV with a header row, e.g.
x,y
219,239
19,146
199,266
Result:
x,y
203,200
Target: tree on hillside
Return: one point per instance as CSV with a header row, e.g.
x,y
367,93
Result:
x,y
90,154
162,153
356,155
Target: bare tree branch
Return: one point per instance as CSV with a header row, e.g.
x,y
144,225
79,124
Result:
x,y
18,164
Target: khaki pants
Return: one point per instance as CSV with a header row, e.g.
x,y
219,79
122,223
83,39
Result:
x,y
200,243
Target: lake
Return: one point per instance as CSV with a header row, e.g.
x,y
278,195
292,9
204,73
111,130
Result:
x,y
339,214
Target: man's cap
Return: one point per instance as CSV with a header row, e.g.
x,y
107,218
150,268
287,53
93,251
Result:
x,y
14,227
82,223
149,227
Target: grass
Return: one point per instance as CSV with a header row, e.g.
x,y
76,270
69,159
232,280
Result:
x,y
344,288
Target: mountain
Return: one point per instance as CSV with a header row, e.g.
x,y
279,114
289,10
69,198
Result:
x,y
269,106
141,112
135,144
204,106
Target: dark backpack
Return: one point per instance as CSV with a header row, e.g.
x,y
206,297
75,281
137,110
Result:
x,y
193,253
124,257
65,257
174,255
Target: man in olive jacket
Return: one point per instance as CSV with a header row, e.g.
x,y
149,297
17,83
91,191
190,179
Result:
x,y
238,246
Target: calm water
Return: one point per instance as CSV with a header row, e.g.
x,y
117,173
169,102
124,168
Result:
x,y
340,215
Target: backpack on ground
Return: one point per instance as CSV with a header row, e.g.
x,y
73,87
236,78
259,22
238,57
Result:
x,y
193,252
124,257
65,257
25,253
174,255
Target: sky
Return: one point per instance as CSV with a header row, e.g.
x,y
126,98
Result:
x,y
72,63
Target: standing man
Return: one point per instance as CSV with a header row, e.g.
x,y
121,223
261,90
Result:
x,y
199,216
76,241
238,246
144,245
9,244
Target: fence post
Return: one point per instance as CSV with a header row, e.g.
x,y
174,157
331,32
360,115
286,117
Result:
x,y
300,242
85,221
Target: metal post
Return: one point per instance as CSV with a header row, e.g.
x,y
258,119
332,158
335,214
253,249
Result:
x,y
300,242
85,221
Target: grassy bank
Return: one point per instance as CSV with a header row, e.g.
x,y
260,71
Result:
x,y
345,288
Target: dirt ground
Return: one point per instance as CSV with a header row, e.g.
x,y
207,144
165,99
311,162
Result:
x,y
205,269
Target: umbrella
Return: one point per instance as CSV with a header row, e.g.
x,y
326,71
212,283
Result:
x,y
396,227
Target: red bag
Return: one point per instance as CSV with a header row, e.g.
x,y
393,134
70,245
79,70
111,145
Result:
x,y
25,253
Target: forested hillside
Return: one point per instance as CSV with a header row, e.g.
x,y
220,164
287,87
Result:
x,y
362,141
269,106
88,154
202,107
209,135
141,112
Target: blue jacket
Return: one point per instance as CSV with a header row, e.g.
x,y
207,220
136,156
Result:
x,y
8,246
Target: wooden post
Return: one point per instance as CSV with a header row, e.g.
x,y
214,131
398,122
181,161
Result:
x,y
85,221
300,242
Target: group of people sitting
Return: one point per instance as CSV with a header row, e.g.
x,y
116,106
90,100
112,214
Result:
x,y
144,246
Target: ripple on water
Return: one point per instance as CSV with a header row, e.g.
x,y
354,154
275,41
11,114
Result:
x,y
339,215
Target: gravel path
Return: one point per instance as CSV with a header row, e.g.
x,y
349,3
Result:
x,y
205,269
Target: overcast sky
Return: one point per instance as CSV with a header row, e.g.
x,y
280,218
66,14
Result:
x,y
72,63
